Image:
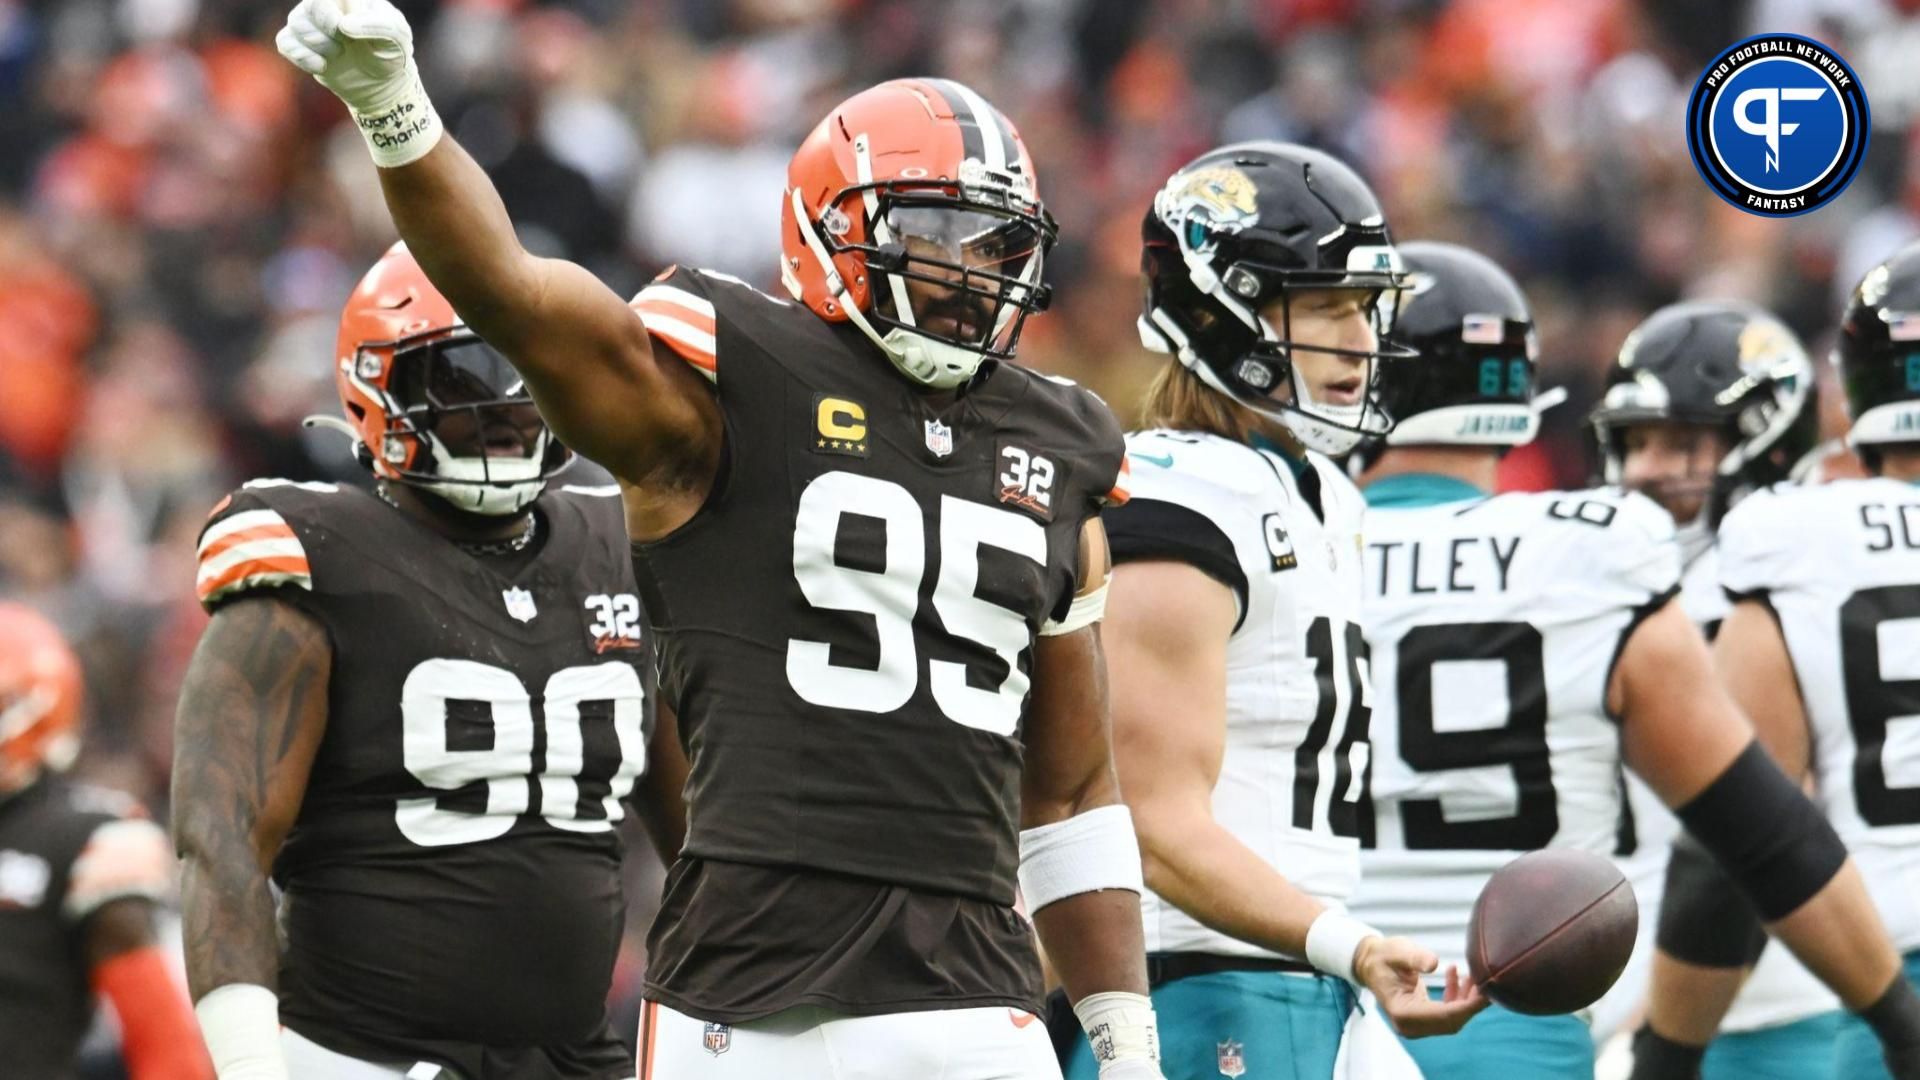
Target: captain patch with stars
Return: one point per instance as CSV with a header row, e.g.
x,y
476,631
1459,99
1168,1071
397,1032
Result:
x,y
1778,125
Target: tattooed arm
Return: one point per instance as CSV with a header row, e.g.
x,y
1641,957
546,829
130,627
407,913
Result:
x,y
252,712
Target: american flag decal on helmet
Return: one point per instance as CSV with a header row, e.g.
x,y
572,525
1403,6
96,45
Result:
x,y
250,549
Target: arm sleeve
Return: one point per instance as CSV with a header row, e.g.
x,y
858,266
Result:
x,y
1704,917
158,1036
678,313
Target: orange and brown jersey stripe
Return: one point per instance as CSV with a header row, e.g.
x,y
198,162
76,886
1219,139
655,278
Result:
x,y
682,321
252,549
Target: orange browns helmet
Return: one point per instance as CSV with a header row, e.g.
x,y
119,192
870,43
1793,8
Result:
x,y
430,403
913,211
39,697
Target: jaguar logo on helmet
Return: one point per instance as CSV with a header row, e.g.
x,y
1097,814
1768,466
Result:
x,y
1721,364
1202,205
1230,243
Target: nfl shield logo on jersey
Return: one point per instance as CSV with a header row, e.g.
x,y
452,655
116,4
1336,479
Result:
x,y
519,603
1232,1061
717,1038
939,438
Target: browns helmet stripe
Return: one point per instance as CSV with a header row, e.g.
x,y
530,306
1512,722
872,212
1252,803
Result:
x,y
980,141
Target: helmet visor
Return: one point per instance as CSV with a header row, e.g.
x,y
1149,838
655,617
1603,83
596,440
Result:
x,y
960,273
469,396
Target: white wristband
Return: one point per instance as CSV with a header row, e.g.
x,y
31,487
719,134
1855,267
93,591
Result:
x,y
1332,941
241,1025
404,129
1120,1027
1085,853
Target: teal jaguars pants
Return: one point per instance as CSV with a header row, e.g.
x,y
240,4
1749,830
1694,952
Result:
x,y
1262,1025
1500,1044
1802,1050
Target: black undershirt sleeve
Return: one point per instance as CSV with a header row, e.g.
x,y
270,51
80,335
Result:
x,y
1144,530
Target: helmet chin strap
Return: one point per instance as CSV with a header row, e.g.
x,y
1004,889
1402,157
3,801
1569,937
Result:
x,y
933,364
489,486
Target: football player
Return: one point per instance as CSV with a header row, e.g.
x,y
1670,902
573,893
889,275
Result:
x,y
1825,583
870,547
1239,673
1523,646
418,714
1711,400
81,873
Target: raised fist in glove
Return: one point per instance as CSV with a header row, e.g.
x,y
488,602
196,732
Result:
x,y
362,50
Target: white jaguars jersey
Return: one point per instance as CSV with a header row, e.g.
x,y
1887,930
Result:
x,y
1840,565
1495,623
1781,990
1293,772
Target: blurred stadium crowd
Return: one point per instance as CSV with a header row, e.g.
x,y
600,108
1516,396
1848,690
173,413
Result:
x,y
182,214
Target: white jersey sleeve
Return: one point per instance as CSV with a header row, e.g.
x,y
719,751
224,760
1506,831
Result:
x,y
1839,565
1286,540
1494,626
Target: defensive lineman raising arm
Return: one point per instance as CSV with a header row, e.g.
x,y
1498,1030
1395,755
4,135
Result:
x,y
586,357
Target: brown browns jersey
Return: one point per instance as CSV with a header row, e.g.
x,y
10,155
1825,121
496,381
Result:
x,y
66,850
451,885
846,631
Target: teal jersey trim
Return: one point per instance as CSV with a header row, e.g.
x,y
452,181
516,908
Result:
x,y
1408,490
1297,464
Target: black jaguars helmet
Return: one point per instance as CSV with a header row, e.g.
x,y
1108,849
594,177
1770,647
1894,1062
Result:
x,y
1475,355
1878,353
1719,363
1240,227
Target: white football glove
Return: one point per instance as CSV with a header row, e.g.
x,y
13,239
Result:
x,y
362,50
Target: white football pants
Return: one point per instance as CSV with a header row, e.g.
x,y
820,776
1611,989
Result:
x,y
806,1043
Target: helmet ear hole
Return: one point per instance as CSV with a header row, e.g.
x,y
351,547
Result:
x,y
358,411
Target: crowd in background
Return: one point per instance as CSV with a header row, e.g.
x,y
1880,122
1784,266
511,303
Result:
x,y
182,213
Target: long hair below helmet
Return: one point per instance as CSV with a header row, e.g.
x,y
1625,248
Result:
x,y
1243,230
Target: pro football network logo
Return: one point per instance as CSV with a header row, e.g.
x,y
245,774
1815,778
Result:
x,y
1778,125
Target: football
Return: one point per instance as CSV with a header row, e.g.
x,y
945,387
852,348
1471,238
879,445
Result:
x,y
1551,932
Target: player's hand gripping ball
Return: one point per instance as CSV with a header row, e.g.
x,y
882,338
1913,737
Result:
x,y
1551,932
